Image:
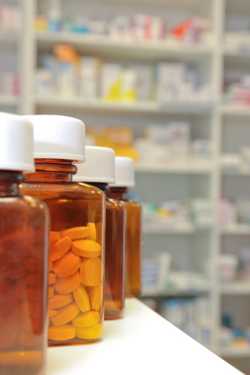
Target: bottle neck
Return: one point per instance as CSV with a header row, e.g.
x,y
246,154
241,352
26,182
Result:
x,y
9,183
117,193
52,170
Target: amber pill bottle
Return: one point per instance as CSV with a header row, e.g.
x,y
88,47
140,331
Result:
x,y
23,257
99,171
76,261
124,176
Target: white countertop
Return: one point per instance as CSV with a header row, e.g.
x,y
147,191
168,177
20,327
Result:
x,y
141,343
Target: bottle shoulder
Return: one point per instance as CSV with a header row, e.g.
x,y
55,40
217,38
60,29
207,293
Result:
x,y
61,190
35,203
115,204
23,211
133,204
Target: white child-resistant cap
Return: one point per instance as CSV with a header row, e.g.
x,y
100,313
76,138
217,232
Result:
x,y
16,143
58,137
99,166
124,172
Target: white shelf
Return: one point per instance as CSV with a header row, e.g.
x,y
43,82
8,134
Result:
x,y
235,352
236,288
7,100
164,230
233,171
187,166
81,104
138,344
9,37
181,229
127,49
235,110
232,165
237,229
237,45
174,292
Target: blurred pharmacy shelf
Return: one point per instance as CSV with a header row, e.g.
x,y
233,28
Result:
x,y
234,164
9,38
237,45
178,293
187,166
235,352
237,229
98,105
235,110
143,50
164,230
236,288
137,335
170,294
236,171
8,101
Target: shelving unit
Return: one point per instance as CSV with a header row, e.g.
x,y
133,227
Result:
x,y
178,229
235,352
10,38
143,50
75,103
8,101
238,229
12,42
235,110
237,45
236,288
192,166
179,179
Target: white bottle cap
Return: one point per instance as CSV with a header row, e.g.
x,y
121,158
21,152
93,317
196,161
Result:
x,y
16,143
98,167
124,172
58,137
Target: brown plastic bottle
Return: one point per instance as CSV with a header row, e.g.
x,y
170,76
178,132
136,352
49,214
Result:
x,y
114,291
23,258
99,171
124,179
76,261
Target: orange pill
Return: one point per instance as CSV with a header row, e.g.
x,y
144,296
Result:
x,y
59,301
92,231
62,333
52,313
65,315
82,299
54,237
67,266
89,333
90,272
86,248
76,233
52,278
51,292
68,284
50,266
60,248
87,319
95,295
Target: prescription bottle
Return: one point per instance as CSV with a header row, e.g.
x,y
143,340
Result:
x,y
76,262
99,171
23,257
124,179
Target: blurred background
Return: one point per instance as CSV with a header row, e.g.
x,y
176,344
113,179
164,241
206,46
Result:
x,y
166,82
